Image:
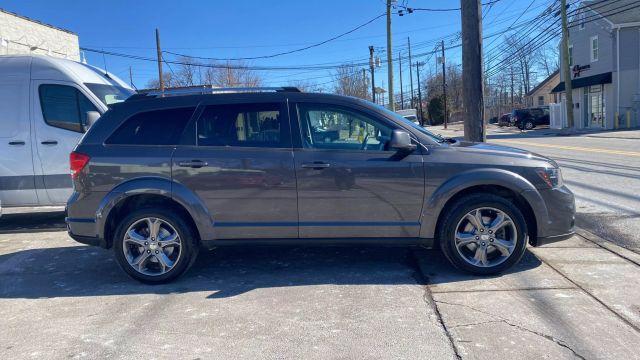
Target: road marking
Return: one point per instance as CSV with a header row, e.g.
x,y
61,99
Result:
x,y
566,147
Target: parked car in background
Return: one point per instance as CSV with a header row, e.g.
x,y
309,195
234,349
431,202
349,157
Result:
x,y
504,120
527,119
158,177
410,114
46,104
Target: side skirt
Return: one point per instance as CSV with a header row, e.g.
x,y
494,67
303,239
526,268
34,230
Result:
x,y
424,242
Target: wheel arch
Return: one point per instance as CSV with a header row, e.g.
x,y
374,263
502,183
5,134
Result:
x,y
499,182
151,192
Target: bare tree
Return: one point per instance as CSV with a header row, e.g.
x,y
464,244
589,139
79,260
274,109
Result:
x,y
548,59
192,73
306,86
232,74
351,81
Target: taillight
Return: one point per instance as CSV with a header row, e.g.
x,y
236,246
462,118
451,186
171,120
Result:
x,y
77,162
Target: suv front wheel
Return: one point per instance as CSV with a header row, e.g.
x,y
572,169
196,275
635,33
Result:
x,y
154,245
483,234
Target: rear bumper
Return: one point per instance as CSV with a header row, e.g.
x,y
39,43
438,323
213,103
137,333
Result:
x,y
83,230
88,240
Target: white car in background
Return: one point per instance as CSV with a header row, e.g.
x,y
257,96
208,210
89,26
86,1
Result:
x,y
409,114
46,104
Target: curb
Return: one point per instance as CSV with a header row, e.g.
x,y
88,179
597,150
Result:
x,y
626,254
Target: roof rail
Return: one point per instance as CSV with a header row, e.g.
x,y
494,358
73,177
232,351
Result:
x,y
207,89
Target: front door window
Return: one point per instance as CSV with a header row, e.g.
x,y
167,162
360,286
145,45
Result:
x,y
326,127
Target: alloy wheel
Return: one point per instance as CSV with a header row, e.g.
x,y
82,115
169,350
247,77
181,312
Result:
x,y
486,237
152,246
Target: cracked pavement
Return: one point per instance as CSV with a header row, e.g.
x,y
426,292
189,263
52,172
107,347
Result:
x,y
573,299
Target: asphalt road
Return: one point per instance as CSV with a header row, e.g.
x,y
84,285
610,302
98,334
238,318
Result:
x,y
604,174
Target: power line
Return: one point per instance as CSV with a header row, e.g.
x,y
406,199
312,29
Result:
x,y
410,9
285,52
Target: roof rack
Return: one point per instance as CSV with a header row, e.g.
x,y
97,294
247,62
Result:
x,y
207,89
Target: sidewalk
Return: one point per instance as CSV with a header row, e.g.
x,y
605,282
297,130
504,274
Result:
x,y
457,130
573,299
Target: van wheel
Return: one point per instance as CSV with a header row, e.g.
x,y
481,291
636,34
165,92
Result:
x,y
154,245
483,234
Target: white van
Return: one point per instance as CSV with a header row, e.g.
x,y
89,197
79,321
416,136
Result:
x,y
44,106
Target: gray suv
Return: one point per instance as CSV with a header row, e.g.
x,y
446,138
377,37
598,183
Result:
x,y
159,177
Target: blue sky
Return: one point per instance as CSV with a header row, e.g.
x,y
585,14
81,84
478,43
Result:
x,y
245,28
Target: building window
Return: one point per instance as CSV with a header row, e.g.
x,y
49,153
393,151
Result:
x,y
540,100
594,48
570,55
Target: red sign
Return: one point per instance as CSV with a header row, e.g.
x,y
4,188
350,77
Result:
x,y
577,69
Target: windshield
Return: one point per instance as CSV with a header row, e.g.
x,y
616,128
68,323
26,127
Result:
x,y
410,123
109,94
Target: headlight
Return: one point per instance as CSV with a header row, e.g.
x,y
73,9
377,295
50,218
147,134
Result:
x,y
551,176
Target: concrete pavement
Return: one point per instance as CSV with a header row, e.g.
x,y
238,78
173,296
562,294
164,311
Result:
x,y
572,299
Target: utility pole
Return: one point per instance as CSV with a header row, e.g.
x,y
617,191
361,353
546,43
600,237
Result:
x,y
410,72
364,83
392,106
512,89
130,77
444,85
401,89
566,72
160,80
419,93
472,92
372,66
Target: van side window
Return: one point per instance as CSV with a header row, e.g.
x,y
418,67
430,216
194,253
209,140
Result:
x,y
64,106
157,127
247,125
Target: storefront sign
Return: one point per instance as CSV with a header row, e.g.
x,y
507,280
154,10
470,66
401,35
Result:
x,y
577,69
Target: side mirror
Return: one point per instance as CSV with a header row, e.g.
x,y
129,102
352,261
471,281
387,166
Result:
x,y
401,141
92,117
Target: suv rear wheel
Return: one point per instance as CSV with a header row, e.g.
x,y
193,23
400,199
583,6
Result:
x,y
154,245
483,234
528,124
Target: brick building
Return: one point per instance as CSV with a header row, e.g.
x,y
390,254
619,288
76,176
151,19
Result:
x,y
22,35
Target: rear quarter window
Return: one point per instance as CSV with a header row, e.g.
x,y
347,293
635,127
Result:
x,y
157,127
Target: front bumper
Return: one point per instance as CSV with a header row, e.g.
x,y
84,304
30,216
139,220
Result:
x,y
555,211
551,239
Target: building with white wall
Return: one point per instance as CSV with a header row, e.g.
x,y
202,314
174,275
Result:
x,y
604,57
22,35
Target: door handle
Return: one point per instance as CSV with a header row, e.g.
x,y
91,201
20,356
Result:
x,y
316,165
196,164
19,142
49,142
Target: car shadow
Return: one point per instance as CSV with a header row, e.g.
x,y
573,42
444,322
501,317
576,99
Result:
x,y
32,222
79,271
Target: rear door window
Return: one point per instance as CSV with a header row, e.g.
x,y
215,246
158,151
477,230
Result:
x,y
157,127
244,125
64,106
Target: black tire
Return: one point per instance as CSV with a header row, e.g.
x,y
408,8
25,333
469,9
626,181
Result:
x,y
450,220
528,125
188,243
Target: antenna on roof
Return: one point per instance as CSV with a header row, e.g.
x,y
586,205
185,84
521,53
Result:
x,y
104,61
